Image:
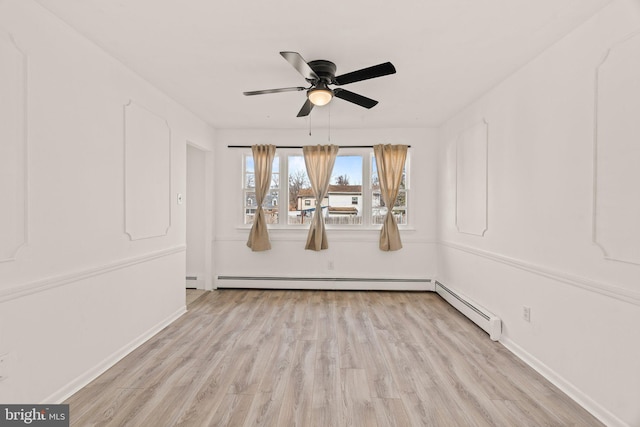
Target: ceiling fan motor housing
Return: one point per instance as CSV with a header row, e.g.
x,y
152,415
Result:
x,y
326,70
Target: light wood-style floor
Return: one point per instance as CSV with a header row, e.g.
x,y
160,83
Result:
x,y
193,294
318,358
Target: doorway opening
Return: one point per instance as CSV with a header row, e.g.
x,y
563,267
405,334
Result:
x,y
198,255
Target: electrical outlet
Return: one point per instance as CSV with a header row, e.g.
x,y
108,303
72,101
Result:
x,y
330,265
526,314
4,366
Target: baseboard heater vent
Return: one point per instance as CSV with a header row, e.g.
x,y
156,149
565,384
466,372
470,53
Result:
x,y
353,283
477,314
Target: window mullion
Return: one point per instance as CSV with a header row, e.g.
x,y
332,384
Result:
x,y
366,189
283,218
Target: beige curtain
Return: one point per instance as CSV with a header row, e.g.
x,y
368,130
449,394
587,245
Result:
x,y
262,161
390,163
319,161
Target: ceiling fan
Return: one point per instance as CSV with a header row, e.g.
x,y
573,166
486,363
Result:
x,y
320,74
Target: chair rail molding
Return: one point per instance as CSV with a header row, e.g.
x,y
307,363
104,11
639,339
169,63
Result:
x,y
606,289
471,180
147,173
47,283
616,153
14,182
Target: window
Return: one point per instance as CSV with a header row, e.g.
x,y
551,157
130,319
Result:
x,y
270,203
343,204
345,191
301,200
353,198
378,209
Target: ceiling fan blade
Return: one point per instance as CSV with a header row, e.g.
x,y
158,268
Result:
x,y
284,89
306,109
298,62
366,73
360,100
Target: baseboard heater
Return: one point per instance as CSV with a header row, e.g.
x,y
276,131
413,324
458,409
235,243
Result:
x,y
477,314
318,282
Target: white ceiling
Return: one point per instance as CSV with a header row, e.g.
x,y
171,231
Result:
x,y
205,53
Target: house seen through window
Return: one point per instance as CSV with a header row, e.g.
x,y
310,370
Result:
x,y
344,201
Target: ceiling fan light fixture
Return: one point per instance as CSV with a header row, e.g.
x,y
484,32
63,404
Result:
x,y
320,95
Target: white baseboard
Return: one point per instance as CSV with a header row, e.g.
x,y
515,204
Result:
x,y
324,283
197,284
93,373
479,315
569,389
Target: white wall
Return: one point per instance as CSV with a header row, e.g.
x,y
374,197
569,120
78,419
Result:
x,y
538,249
81,292
353,253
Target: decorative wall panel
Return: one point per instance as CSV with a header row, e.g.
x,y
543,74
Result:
x,y
13,148
471,180
616,222
147,173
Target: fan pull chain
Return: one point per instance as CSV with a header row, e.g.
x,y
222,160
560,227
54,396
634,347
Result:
x,y
329,132
309,124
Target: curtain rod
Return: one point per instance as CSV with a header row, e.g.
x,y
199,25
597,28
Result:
x,y
300,146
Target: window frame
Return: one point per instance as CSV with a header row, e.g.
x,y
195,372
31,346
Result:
x,y
367,156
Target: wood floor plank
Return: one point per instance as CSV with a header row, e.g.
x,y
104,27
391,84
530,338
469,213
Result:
x,y
322,358
163,407
150,396
356,396
327,408
379,375
208,397
348,340
424,412
104,412
309,321
232,411
297,398
267,402
279,366
264,411
390,412
327,331
517,414
252,368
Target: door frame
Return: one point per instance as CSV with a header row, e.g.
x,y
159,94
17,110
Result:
x,y
208,210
